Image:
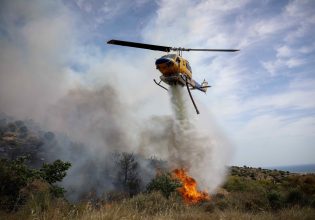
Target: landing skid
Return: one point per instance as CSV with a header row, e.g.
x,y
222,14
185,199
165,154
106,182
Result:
x,y
159,84
178,79
192,100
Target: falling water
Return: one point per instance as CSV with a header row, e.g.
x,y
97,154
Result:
x,y
197,146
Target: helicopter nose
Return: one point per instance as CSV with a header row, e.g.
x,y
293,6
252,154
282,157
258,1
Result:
x,y
162,60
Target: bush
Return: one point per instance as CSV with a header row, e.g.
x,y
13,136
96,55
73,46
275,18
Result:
x,y
54,172
164,183
235,184
15,176
295,197
275,200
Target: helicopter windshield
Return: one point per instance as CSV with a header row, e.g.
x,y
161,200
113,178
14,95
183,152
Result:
x,y
171,56
188,67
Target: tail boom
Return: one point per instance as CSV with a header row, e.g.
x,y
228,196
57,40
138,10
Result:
x,y
201,87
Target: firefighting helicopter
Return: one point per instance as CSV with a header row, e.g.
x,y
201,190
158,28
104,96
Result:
x,y
174,68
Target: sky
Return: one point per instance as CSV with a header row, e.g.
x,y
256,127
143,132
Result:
x,y
262,97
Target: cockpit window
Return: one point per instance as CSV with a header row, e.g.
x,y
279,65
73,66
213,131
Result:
x,y
188,67
171,56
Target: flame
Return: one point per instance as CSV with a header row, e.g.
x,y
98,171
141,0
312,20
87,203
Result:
x,y
189,190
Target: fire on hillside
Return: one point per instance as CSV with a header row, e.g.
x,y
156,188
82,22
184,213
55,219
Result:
x,y
189,190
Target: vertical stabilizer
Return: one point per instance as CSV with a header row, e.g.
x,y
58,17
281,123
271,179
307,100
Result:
x,y
204,85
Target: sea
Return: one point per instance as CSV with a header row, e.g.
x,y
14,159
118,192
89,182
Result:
x,y
305,168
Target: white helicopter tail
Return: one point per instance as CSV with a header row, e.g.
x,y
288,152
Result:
x,y
204,85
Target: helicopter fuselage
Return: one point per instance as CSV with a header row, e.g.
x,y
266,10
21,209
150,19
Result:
x,y
172,64
177,71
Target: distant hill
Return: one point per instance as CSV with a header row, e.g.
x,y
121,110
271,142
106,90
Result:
x,y
307,168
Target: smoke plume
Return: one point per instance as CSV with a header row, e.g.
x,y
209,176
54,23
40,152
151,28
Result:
x,y
47,74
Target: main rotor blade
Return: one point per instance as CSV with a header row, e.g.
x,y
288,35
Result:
x,y
163,48
214,50
140,45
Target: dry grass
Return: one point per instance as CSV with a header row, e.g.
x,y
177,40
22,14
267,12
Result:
x,y
145,206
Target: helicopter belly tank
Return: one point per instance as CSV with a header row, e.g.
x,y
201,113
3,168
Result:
x,y
173,79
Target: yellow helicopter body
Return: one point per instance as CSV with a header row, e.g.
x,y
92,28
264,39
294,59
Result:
x,y
176,64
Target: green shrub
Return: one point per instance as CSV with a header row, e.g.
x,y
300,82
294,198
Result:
x,y
275,200
14,175
16,178
163,183
235,184
295,197
54,172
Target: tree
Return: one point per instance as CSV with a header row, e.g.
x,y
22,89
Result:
x,y
128,176
53,173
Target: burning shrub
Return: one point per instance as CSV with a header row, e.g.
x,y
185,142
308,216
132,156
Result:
x,y
188,190
178,181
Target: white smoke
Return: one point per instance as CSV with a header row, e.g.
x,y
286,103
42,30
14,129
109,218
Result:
x,y
190,141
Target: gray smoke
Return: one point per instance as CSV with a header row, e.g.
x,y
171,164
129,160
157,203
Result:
x,y
86,112
92,128
94,117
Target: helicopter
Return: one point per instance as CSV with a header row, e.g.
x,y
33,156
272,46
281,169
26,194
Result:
x,y
174,68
